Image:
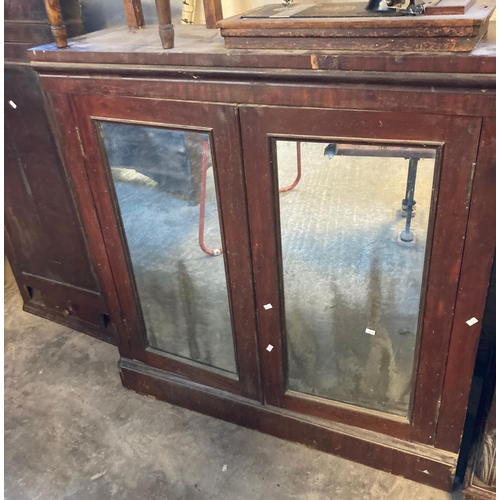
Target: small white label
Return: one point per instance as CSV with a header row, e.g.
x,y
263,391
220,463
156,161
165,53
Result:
x,y
268,306
370,331
472,321
13,104
224,468
269,348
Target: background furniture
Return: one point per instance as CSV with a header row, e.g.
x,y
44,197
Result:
x,y
233,335
135,19
479,460
44,240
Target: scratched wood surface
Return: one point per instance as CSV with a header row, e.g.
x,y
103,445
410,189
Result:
x,y
199,47
457,29
45,243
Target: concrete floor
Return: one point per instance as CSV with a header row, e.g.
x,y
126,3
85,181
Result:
x,y
73,432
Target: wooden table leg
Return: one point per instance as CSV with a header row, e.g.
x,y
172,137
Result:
x,y
213,12
56,23
133,14
166,27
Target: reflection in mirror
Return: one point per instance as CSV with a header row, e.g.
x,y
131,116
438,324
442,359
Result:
x,y
354,222
165,187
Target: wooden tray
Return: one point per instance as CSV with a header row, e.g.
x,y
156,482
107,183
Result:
x,y
446,26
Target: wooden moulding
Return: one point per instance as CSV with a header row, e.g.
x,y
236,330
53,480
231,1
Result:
x,y
446,32
417,462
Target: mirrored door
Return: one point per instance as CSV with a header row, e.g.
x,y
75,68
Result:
x,y
165,190
355,259
354,220
170,198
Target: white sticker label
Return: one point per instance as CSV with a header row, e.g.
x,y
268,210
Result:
x,y
369,331
224,468
268,306
13,104
472,321
269,348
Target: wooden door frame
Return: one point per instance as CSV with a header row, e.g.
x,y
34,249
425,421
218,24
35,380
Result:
x,y
92,179
458,137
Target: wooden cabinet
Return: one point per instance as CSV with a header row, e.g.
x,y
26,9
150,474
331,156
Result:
x,y
44,238
297,243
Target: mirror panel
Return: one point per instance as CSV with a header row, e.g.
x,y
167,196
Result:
x,y
353,261
165,188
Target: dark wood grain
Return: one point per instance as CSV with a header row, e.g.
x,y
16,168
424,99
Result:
x,y
375,98
349,414
61,108
388,43
445,29
199,47
213,13
133,14
40,214
449,7
166,28
39,210
422,464
474,278
56,23
222,123
411,22
458,136
379,32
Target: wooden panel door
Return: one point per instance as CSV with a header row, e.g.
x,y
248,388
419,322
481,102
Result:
x,y
162,193
358,222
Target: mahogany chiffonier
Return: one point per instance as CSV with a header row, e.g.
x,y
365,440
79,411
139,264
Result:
x,y
298,242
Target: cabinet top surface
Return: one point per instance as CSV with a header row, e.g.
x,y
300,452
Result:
x,y
196,46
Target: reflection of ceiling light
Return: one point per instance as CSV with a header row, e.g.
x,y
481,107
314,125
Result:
x,y
331,150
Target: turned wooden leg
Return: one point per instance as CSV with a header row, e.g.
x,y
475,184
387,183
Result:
x,y
133,14
56,23
213,12
166,28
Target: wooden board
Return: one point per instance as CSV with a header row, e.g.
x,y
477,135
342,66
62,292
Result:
x,y
201,51
449,26
448,7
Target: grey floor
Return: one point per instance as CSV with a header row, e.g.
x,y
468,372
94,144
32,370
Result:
x,y
72,431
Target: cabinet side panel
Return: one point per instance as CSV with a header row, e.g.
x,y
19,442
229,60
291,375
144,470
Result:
x,y
67,257
476,265
41,219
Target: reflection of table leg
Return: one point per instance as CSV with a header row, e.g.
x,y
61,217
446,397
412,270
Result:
x,y
299,170
406,236
203,199
409,181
